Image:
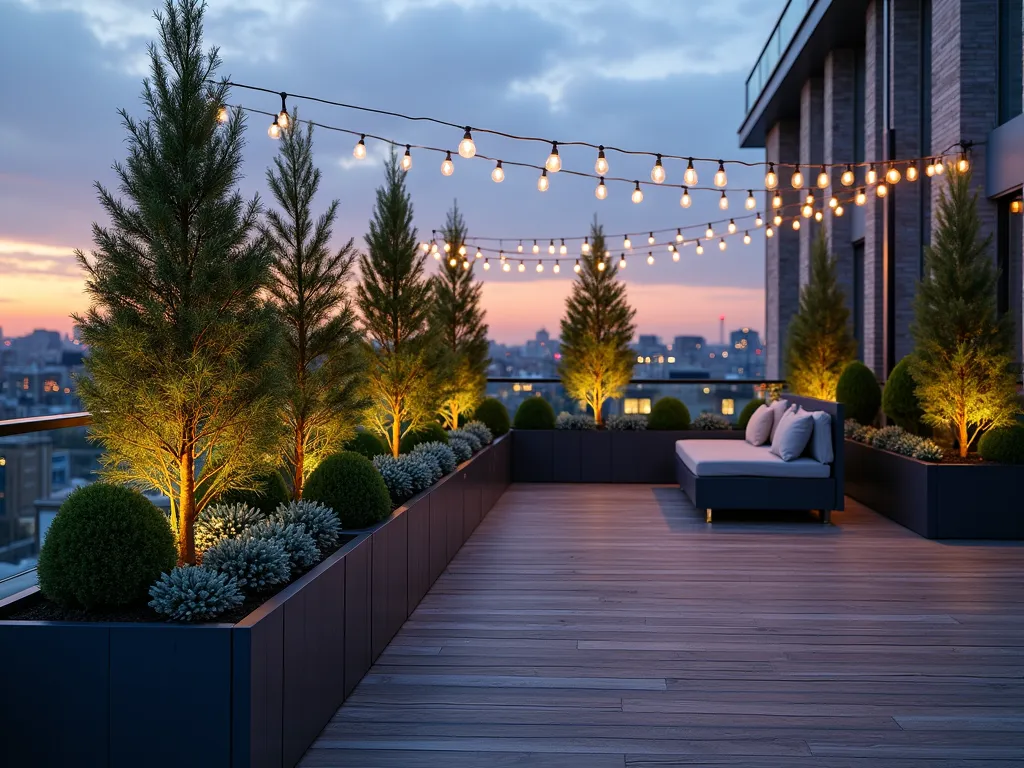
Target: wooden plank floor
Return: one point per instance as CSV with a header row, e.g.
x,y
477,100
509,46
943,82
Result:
x,y
599,626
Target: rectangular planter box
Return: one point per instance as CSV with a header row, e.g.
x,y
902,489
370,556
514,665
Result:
x,y
599,456
255,693
937,501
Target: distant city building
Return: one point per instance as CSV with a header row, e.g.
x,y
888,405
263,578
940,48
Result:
x,y
25,475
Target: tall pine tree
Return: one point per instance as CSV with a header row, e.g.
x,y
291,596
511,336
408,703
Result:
x,y
820,343
962,357
181,379
459,321
322,356
597,329
394,301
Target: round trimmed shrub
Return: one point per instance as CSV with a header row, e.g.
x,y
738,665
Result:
x,y
350,485
747,412
432,432
1004,445
493,413
267,493
105,548
194,593
669,413
367,444
534,413
899,400
859,392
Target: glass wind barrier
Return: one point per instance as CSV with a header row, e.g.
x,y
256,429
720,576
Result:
x,y
724,397
781,37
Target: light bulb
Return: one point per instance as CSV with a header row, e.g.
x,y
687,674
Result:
x,y
686,201
433,248
585,248
912,172
797,180
622,261
602,191
467,148
274,131
940,166
818,216
929,170
809,200
554,162
447,247
519,247
536,248
506,267
796,224
556,269
425,247
465,265
679,235
893,174
498,174
638,195
650,239
777,221
823,179
839,210
833,202
576,267
690,177
551,247
777,200
871,176
522,267
487,265
700,249
848,177
650,258
881,190
479,254
283,119
758,222
542,181
223,115
721,244
601,166
447,167
671,247
501,255
359,151
732,227
751,202
540,266
771,179
769,232
746,238
562,250
627,243
807,210
407,159
452,261
963,164
721,179
711,232
600,266
658,171
675,255
723,202
462,250
862,197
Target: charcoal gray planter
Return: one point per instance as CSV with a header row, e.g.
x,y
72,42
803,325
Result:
x,y
255,693
601,456
938,501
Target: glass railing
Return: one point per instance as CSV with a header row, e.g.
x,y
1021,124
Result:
x,y
782,35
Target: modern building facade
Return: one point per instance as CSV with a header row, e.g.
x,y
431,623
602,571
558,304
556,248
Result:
x,y
877,80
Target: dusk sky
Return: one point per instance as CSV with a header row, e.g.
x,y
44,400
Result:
x,y
658,75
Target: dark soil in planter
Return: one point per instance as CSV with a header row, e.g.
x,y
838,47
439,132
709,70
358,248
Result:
x,y
41,609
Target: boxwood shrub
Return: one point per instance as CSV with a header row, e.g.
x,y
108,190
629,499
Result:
x,y
899,400
669,413
534,413
269,490
105,548
494,414
1005,445
350,485
859,392
367,444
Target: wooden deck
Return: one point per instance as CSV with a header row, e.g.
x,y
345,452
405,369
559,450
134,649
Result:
x,y
599,626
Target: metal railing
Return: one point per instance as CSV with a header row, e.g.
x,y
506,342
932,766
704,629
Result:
x,y
778,42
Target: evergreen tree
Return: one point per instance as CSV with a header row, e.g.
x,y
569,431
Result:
x,y
459,321
394,301
181,379
820,343
962,358
597,362
322,357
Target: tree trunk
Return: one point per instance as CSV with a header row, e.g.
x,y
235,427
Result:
x,y
962,427
187,509
597,406
455,414
396,435
300,461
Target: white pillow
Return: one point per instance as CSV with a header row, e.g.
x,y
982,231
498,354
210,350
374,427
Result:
x,y
778,408
759,427
820,445
792,434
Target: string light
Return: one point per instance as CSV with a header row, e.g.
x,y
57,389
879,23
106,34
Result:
x,y
777,200
710,232
872,175
498,174
622,261
447,167
751,203
675,255
658,171
554,162
551,247
638,195
519,247
650,259
777,221
601,166
467,148
797,180
556,269
671,247
274,131
685,201
359,151
465,265
536,248
452,261
732,226
540,266
700,249
823,179
839,210
721,179
447,247
602,191
848,177
223,114
506,267
650,239
912,173
940,166
862,197
462,250
807,211
758,222
479,254
833,202
679,235
723,202
796,224
769,232
818,216
585,248
746,238
963,165
690,177
407,159
283,118
627,243
721,244
562,249
881,190
929,170
600,266
576,267
542,181
893,174
522,267
771,179
502,256
487,265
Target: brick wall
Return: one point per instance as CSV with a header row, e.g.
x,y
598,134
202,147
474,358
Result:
x,y
812,134
838,147
782,252
873,283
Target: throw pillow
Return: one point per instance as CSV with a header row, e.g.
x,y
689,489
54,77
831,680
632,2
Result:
x,y
777,408
819,447
759,427
792,435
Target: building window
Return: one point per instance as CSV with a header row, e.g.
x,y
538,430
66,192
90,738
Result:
x,y
1009,255
1010,51
633,405
728,407
857,302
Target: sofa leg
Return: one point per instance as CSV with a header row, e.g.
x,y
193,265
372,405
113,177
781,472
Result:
x,y
707,515
826,516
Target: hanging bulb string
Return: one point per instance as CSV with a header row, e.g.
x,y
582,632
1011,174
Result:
x,y
963,145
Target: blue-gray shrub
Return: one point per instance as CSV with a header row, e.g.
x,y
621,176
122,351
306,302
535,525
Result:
x,y
461,447
320,521
627,422
396,478
711,422
481,430
223,521
420,468
469,437
194,593
255,564
294,540
443,453
577,421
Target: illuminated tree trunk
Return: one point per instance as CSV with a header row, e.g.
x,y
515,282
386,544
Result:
x,y
300,459
187,508
396,435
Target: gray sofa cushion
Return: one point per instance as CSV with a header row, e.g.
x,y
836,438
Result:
x,y
759,428
738,458
820,446
793,434
778,409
